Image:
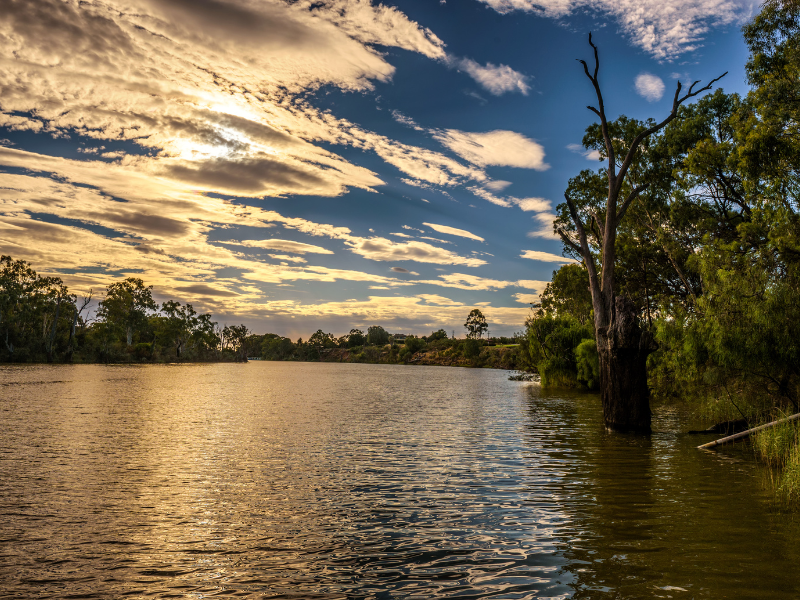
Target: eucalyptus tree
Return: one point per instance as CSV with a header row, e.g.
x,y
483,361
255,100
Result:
x,y
31,309
622,344
377,336
126,305
476,324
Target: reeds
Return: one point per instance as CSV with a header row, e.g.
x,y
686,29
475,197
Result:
x,y
779,447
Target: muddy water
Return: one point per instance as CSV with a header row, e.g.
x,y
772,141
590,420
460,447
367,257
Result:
x,y
293,480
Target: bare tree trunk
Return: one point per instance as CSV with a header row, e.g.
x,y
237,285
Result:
x,y
622,346
71,344
52,339
129,334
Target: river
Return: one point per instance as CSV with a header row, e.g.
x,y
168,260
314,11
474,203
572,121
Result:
x,y
346,481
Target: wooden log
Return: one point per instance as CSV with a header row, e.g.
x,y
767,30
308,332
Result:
x,y
744,434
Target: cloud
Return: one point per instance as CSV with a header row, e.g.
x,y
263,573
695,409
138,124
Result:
x,y
287,258
453,231
487,195
533,204
202,289
498,185
650,87
382,249
545,257
469,282
422,313
495,148
405,120
284,246
589,154
545,230
526,298
402,270
497,79
663,29
532,284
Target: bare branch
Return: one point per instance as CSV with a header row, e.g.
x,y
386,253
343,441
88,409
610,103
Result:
x,y
596,59
705,88
565,238
588,259
595,225
631,197
678,100
600,111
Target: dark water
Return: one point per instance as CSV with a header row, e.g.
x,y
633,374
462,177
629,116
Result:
x,y
290,480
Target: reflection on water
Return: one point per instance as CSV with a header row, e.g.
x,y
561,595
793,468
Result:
x,y
292,480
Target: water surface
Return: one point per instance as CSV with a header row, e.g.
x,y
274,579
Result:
x,y
345,481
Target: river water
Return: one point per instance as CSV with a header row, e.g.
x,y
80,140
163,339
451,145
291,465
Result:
x,y
339,481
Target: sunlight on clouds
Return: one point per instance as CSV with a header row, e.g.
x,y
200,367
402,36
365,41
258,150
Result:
x,y
428,311
283,245
212,101
454,231
545,257
533,204
526,298
496,79
495,148
545,230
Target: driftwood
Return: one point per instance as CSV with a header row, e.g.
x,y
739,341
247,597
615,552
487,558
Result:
x,y
725,428
744,434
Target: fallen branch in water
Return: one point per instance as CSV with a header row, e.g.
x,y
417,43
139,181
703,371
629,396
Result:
x,y
744,434
726,427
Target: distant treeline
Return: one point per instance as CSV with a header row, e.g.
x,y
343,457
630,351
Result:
x,y
375,346
40,320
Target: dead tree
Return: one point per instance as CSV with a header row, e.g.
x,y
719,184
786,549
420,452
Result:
x,y
622,344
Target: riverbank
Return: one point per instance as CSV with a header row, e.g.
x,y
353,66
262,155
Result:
x,y
487,357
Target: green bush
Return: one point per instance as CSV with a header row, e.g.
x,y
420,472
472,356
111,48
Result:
x,y
588,363
552,342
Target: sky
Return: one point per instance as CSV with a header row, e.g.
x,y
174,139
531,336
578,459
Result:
x,y
324,164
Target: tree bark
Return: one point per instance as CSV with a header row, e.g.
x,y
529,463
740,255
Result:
x,y
623,348
622,345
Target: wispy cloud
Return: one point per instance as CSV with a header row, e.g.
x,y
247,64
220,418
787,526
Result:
x,y
453,231
579,149
495,148
663,29
545,257
496,79
284,246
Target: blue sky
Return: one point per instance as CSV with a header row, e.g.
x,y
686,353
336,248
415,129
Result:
x,y
330,164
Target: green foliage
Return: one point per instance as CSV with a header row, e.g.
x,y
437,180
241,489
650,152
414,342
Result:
x,y
588,363
125,308
411,346
355,338
377,336
552,344
275,347
35,313
471,348
775,444
568,293
440,334
476,324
